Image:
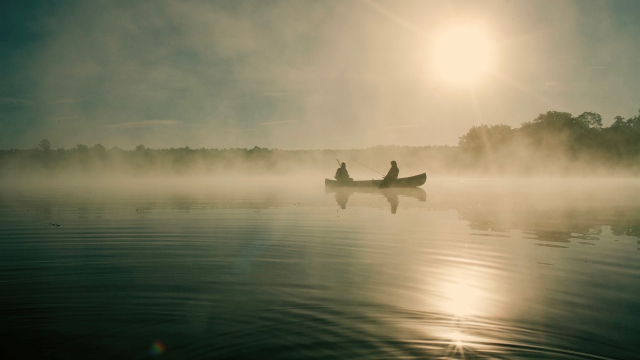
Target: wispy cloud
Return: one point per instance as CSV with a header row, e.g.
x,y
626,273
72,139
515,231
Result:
x,y
62,118
276,122
15,102
66,101
145,124
217,128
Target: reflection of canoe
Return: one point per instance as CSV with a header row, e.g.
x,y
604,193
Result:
x,y
416,193
407,182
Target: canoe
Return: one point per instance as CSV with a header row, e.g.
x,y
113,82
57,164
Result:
x,y
407,182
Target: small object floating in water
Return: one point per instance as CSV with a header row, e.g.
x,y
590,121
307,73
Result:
x,y
157,349
52,224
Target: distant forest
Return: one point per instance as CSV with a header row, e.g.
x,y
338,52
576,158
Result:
x,y
553,144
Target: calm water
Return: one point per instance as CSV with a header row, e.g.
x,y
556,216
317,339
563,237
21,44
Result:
x,y
184,270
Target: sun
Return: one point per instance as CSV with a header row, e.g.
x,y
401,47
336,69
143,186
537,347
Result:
x,y
462,54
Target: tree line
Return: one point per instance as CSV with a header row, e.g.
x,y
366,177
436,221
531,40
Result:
x,y
554,143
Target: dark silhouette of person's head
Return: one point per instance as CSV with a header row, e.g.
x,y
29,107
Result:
x,y
343,165
393,163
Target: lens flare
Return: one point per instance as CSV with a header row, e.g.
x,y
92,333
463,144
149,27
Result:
x,y
156,349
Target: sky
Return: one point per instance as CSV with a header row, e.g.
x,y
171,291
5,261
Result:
x,y
338,74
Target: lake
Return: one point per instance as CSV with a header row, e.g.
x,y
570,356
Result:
x,y
248,269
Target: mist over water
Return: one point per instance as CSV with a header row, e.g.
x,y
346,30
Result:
x,y
287,269
554,143
167,179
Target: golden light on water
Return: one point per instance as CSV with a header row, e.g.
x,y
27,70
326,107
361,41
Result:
x,y
459,345
462,299
468,298
462,54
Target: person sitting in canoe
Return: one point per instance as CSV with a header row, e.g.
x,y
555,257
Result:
x,y
391,177
342,175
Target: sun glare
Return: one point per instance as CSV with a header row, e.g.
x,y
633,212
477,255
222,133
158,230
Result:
x,y
462,54
461,299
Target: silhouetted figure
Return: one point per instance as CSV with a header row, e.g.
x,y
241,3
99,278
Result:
x,y
391,177
342,196
342,175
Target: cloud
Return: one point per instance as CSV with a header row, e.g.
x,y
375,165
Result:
x,y
276,122
15,102
66,101
145,124
348,65
62,118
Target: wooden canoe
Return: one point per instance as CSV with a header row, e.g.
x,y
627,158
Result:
x,y
407,182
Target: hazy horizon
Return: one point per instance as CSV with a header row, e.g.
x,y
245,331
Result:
x,y
302,75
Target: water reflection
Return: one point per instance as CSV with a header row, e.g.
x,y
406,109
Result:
x,y
392,198
391,195
342,196
264,273
628,230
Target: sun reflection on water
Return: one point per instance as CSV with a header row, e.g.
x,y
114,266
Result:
x,y
465,297
459,345
462,299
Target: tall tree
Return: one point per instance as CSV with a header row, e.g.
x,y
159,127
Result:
x,y
593,120
44,145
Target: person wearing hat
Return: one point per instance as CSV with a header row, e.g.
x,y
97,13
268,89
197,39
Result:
x,y
342,175
392,175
